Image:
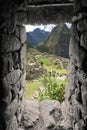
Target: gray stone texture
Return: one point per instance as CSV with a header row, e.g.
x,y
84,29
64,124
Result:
x,y
30,114
77,80
40,115
50,113
12,69
47,115
23,57
9,43
84,40
76,53
20,32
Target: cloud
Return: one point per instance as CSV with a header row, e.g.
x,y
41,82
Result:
x,y
48,27
69,25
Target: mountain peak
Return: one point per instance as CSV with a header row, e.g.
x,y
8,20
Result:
x,y
58,40
37,36
37,29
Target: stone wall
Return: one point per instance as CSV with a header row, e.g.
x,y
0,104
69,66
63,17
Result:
x,y
40,115
73,112
12,68
77,81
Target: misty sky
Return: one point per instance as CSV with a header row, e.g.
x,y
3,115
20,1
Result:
x,y
48,27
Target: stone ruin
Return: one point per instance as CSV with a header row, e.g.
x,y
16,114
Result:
x,y
50,115
34,71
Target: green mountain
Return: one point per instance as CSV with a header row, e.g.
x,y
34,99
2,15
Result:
x,y
58,41
37,36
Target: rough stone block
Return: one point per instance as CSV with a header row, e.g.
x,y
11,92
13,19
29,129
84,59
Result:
x,y
12,124
16,60
84,94
76,18
82,25
21,93
30,114
14,91
76,127
70,88
79,17
22,34
7,99
84,40
80,125
82,76
4,89
22,80
76,109
23,57
9,43
6,64
41,115
3,66
11,109
48,110
66,122
17,31
13,77
21,17
76,53
8,82
19,113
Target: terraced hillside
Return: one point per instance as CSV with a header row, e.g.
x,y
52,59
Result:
x,y
40,64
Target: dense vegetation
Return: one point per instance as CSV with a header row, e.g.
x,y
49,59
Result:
x,y
54,88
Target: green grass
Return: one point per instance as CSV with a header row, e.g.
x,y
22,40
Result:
x,y
31,87
45,61
49,63
54,89
53,68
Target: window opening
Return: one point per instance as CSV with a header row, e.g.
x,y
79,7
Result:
x,y
47,60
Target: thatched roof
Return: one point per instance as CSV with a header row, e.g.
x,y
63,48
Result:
x,y
44,2
40,11
47,11
51,14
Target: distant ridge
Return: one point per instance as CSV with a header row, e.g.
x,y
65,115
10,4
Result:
x,y
37,36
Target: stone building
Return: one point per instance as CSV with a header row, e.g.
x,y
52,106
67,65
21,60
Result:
x,y
15,13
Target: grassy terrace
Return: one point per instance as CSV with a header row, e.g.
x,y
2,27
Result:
x,y
31,87
51,63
